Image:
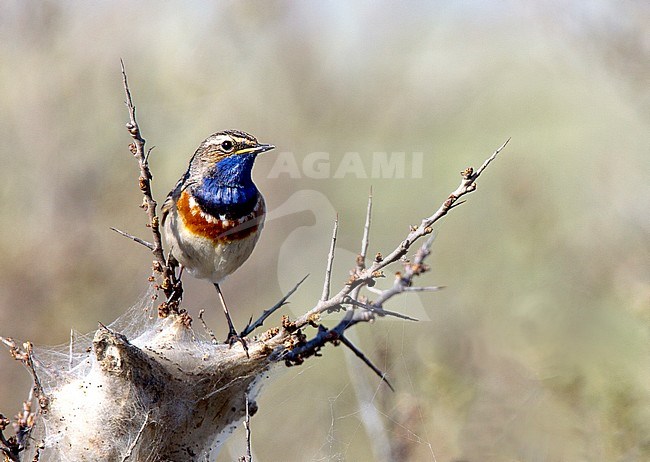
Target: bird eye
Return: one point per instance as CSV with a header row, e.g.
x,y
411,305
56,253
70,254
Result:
x,y
226,145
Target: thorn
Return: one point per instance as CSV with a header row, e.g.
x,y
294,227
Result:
x,y
359,354
266,313
424,289
148,245
330,261
378,309
146,157
366,232
456,204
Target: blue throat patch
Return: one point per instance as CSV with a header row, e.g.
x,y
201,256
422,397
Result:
x,y
229,190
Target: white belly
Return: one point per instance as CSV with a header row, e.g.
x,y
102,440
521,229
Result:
x,y
204,259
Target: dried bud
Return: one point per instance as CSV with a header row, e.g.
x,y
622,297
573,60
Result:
x,y
419,268
351,280
314,319
269,334
467,173
43,402
186,319
166,284
379,257
288,324
163,310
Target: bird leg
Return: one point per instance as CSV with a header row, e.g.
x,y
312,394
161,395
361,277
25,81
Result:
x,y
233,336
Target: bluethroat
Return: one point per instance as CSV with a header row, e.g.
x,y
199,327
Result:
x,y
213,217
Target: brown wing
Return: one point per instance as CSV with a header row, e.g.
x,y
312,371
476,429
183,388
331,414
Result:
x,y
173,196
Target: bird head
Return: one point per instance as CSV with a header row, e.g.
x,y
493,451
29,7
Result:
x,y
227,157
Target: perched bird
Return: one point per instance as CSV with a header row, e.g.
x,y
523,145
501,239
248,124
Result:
x,y
213,217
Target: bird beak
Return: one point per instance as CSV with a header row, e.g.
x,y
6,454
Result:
x,y
257,149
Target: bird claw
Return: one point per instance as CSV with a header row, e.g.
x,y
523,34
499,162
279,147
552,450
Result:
x,y
234,337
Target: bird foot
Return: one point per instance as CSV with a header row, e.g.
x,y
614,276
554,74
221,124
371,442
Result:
x,y
234,337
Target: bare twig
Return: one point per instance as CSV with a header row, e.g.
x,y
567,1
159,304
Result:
x,y
25,355
148,245
374,290
457,204
171,286
25,420
266,313
247,425
365,241
378,309
9,447
467,185
403,280
209,331
490,159
330,261
71,350
146,157
423,289
366,232
137,148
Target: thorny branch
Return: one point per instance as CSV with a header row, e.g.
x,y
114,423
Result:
x,y
368,276
24,422
171,285
25,356
247,425
266,313
361,310
8,446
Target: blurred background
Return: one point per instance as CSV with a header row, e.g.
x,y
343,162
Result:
x,y
537,350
